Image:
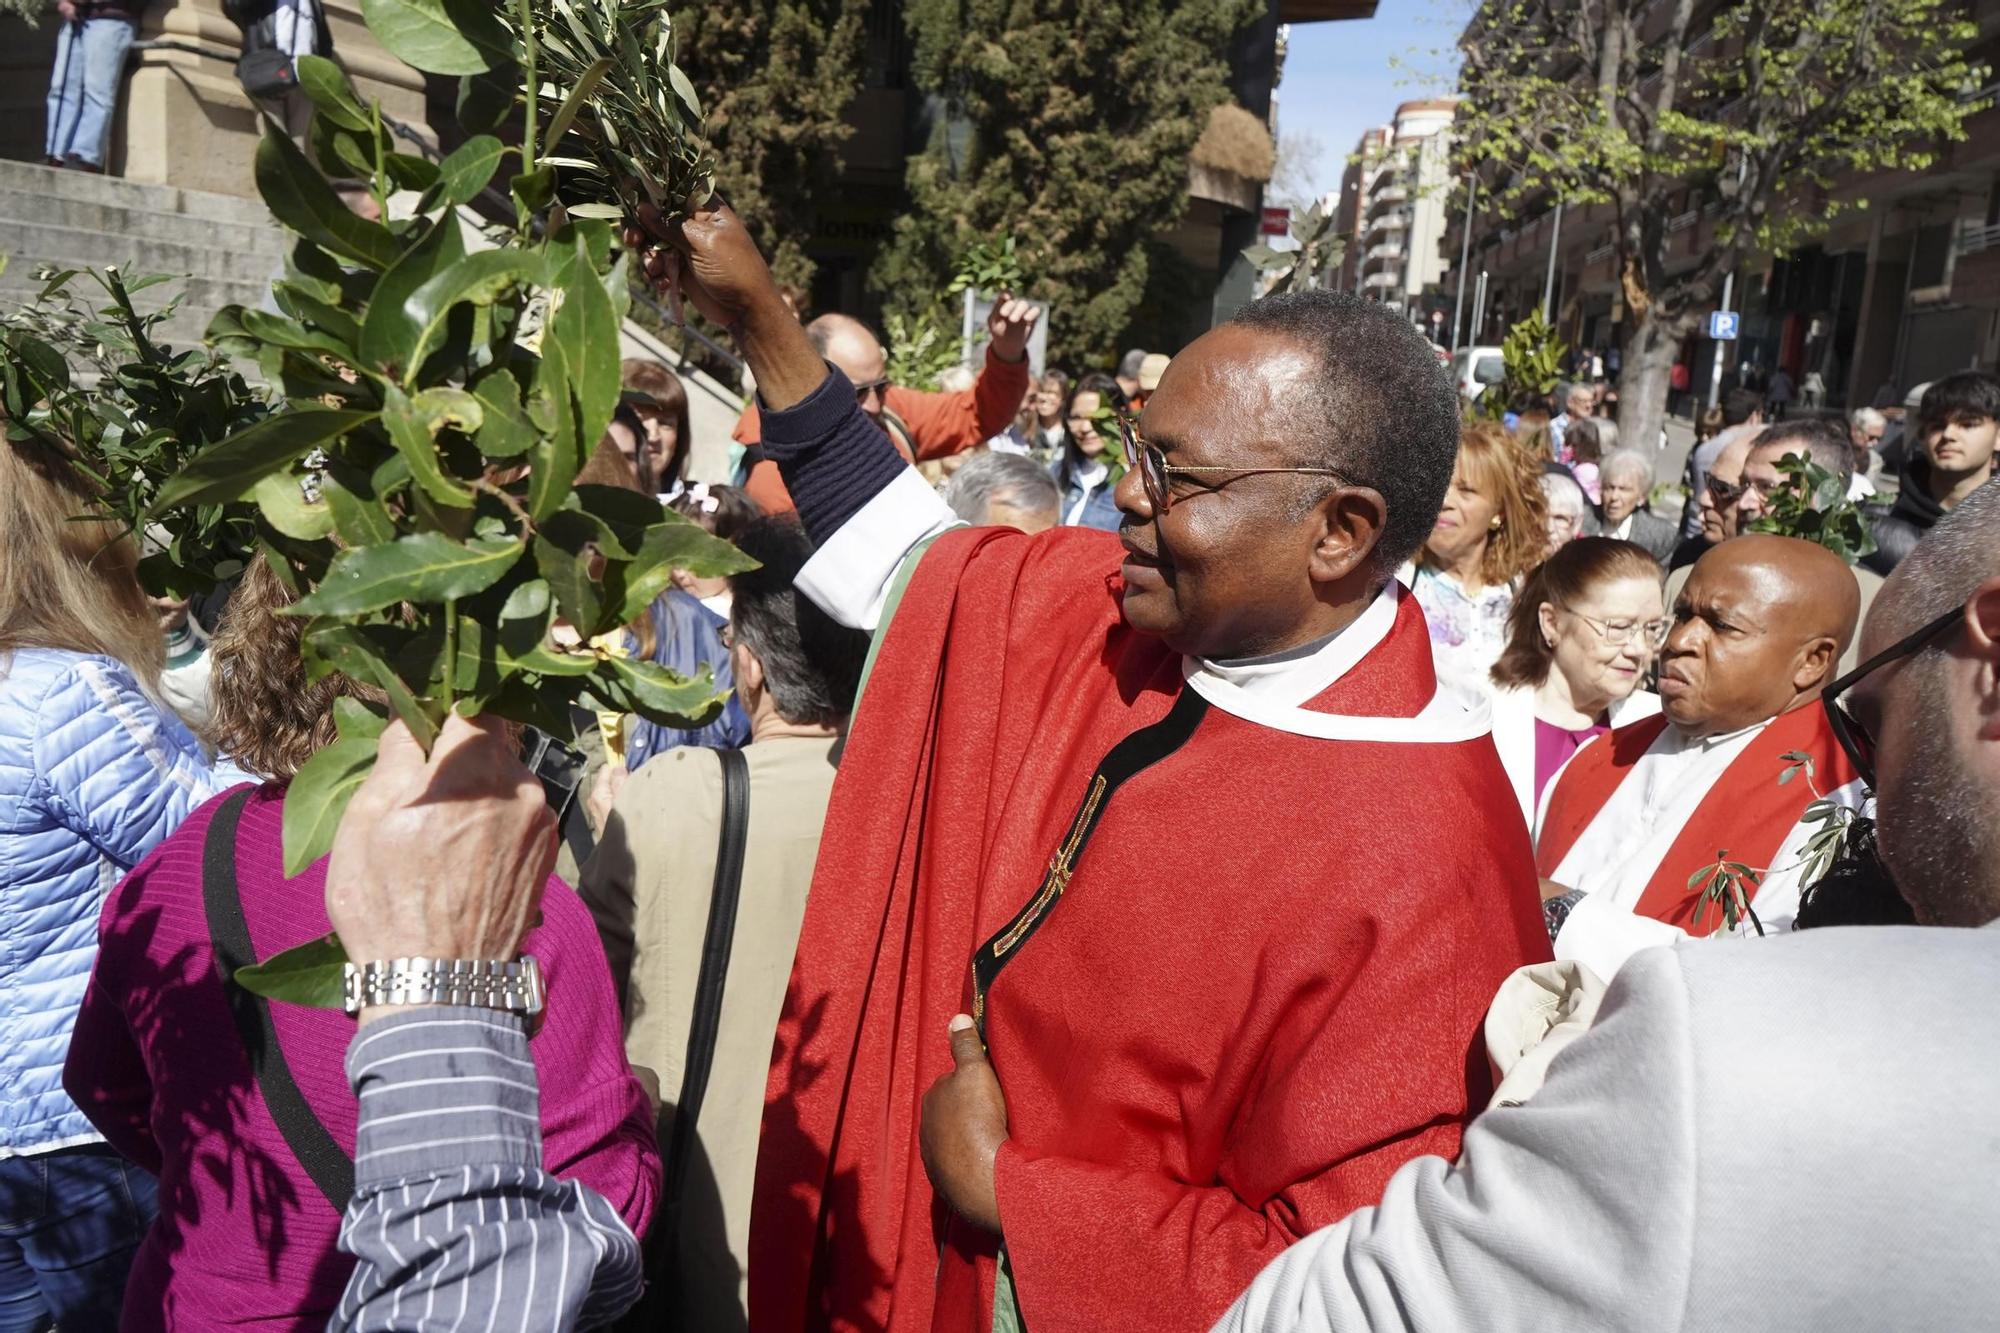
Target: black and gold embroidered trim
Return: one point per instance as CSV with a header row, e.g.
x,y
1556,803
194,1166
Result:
x,y
1136,753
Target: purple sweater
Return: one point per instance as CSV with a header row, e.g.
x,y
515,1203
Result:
x,y
244,1237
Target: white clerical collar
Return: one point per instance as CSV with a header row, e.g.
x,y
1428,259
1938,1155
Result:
x,y
1291,678
1709,744
1270,691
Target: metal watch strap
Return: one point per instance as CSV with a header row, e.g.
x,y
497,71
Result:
x,y
512,987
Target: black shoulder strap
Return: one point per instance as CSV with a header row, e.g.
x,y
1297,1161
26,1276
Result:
x,y
330,1167
714,970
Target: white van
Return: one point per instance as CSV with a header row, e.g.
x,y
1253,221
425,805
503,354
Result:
x,y
1474,368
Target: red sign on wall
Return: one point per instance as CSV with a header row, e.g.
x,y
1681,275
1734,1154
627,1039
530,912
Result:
x,y
1277,222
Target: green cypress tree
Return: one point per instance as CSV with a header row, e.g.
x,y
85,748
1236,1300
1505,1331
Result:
x,y
1070,132
775,77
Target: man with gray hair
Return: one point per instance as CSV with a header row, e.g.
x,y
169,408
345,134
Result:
x,y
1129,367
1864,431
996,490
1624,478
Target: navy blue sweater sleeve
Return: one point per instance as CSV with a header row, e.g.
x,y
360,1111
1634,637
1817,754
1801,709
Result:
x,y
833,458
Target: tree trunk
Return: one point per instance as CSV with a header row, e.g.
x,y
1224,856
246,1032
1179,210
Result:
x,y
1651,344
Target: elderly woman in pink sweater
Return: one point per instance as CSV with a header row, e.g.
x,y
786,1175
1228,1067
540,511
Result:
x,y
246,1235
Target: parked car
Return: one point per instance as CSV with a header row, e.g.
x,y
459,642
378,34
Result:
x,y
1474,368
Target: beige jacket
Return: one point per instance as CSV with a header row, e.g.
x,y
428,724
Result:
x,y
648,885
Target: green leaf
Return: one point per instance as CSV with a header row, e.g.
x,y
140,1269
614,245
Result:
x,y
306,304
413,426
657,694
568,574
586,84
410,172
440,36
313,975
299,197
554,459
470,167
506,432
486,99
227,470
282,501
370,654
421,567
684,89
318,796
480,279
584,330
354,719
677,544
389,330
322,81
534,190
358,514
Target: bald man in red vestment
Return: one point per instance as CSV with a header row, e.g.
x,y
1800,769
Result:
x,y
1179,819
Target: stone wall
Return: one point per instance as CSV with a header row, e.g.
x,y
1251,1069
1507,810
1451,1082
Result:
x,y
183,119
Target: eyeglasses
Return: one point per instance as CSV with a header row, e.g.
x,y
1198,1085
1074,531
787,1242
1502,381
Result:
x,y
1724,493
881,386
1157,473
1618,633
1848,729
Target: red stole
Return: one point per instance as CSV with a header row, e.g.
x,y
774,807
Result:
x,y
1746,815
1005,677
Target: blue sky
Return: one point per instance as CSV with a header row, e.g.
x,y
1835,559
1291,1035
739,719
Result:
x,y
1341,78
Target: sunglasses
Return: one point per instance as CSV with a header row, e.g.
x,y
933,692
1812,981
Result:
x,y
1157,474
881,386
1848,729
1725,493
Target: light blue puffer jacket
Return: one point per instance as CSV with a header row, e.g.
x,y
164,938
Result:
x,y
93,776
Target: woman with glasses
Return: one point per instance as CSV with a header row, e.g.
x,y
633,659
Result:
x,y
1088,464
1491,530
1582,635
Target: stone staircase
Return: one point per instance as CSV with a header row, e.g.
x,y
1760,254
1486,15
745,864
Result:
x,y
228,248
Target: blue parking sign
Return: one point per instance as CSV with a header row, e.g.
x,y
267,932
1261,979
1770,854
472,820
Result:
x,y
1722,325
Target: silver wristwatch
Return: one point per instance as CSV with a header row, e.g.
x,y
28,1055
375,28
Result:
x,y
514,988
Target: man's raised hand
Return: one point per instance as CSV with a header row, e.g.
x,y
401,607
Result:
x,y
709,258
442,856
1010,326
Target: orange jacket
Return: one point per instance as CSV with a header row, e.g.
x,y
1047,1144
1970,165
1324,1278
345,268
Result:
x,y
939,424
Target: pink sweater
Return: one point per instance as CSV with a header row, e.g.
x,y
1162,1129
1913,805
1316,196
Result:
x,y
244,1237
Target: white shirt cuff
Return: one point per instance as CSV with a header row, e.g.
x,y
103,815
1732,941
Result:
x,y
1601,935
849,576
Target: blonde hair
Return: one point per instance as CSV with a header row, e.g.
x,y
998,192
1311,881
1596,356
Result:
x,y
1500,468
69,576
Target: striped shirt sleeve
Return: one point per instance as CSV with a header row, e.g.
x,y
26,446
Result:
x,y
453,1222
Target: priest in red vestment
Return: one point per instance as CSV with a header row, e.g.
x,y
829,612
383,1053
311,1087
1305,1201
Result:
x,y
1630,824
1180,817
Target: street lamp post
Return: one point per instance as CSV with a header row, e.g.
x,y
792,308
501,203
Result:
x,y
1549,281
1464,256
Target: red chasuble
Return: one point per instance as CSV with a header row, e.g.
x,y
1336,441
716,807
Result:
x,y
1746,815
1241,983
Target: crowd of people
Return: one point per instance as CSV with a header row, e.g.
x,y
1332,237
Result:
x,y
1188,846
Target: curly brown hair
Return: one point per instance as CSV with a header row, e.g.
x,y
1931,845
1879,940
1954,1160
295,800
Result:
x,y
268,716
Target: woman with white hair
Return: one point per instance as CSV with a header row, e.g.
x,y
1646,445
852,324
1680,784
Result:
x,y
1625,477
1865,428
1569,512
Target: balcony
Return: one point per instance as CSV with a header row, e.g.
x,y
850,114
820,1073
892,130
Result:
x,y
1385,250
1386,219
1385,229
1382,282
1387,189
